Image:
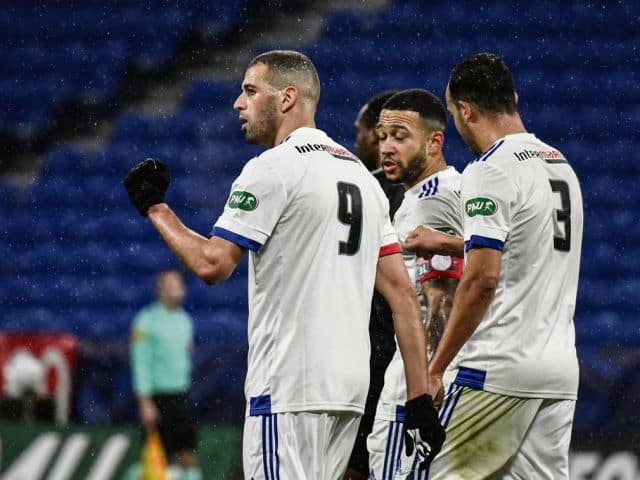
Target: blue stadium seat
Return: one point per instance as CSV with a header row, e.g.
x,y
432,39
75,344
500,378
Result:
x,y
87,48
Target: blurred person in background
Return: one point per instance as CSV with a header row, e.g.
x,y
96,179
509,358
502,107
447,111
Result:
x,y
383,344
161,350
366,147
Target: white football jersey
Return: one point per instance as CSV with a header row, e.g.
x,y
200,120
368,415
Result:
x,y
524,345
436,203
567,242
315,222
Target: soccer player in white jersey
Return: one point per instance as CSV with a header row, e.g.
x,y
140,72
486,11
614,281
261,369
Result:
x,y
509,346
317,228
411,136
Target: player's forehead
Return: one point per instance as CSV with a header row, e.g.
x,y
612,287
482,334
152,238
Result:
x,y
255,75
395,119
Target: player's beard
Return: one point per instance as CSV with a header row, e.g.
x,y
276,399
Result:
x,y
265,129
415,167
369,156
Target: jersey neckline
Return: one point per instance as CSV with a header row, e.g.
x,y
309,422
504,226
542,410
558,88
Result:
x,y
301,130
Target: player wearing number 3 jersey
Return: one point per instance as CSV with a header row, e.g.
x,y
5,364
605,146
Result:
x,y
317,229
509,346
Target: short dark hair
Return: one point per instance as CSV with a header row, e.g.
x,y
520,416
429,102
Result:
x,y
288,67
425,103
371,111
484,80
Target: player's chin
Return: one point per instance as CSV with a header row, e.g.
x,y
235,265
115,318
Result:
x,y
251,137
393,177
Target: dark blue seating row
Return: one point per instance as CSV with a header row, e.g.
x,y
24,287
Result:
x,y
55,52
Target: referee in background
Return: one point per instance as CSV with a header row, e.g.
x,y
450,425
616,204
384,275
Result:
x,y
381,331
161,345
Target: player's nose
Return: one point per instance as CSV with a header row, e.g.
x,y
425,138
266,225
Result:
x,y
239,103
385,147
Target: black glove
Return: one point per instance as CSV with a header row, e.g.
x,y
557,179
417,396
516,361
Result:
x,y
422,429
146,184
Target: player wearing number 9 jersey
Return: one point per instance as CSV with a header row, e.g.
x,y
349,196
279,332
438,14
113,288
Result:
x,y
509,346
314,250
317,229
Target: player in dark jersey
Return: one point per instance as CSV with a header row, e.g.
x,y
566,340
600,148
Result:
x,y
381,323
366,147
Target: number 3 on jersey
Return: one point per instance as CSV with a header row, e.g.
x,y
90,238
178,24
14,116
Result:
x,y
350,213
563,215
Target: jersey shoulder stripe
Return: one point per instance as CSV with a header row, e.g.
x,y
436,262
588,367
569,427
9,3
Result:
x,y
430,188
485,156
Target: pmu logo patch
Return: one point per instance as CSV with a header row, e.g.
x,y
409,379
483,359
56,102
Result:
x,y
482,206
243,200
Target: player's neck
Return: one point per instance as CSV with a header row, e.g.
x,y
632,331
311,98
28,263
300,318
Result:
x,y
433,166
169,305
289,125
498,127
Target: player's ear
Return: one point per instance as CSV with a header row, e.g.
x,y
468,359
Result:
x,y
289,98
466,110
515,96
435,142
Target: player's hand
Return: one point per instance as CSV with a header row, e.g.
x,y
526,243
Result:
x,y
149,414
422,430
436,390
146,184
423,241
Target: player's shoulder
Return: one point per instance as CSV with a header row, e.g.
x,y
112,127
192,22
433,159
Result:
x,y
441,185
295,152
449,179
546,159
182,313
144,315
307,141
300,143
264,168
552,158
502,156
518,148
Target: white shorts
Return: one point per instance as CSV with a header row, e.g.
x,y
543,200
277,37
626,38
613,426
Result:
x,y
491,436
387,455
298,446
